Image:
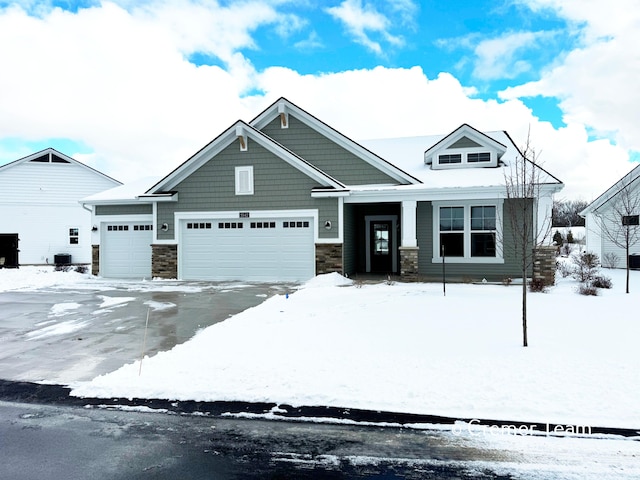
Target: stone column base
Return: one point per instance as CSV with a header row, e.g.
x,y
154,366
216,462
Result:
x,y
164,261
409,263
328,258
544,264
95,259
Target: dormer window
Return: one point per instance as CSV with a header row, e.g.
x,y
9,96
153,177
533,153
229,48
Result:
x,y
454,159
478,157
449,158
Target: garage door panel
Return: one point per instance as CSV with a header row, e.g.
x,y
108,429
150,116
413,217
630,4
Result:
x,y
126,250
256,249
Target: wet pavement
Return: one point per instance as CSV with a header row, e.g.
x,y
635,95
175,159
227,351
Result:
x,y
68,334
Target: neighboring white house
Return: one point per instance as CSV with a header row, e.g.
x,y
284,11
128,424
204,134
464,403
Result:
x,y
40,213
617,209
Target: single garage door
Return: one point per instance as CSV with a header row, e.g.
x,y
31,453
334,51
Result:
x,y
125,250
248,249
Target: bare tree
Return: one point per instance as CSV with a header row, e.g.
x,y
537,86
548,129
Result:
x,y
523,183
619,219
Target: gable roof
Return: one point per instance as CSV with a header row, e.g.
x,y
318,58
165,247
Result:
x,y
465,130
627,180
409,152
282,107
53,156
244,132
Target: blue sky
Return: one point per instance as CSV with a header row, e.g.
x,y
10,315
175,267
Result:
x,y
131,87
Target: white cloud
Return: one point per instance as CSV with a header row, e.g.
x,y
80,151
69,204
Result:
x,y
362,19
597,83
118,82
496,57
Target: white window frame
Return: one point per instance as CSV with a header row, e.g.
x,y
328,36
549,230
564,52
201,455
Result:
x,y
70,236
467,204
464,153
241,188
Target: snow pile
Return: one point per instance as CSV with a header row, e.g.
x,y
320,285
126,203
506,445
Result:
x,y
406,347
328,280
30,277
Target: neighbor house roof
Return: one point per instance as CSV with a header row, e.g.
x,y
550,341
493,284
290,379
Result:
x,y
627,180
53,156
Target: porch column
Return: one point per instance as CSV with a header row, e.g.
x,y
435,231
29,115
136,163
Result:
x,y
409,244
409,223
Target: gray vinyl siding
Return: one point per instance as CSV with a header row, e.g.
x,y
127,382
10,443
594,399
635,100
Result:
x,y
138,209
463,271
277,186
329,157
349,247
464,142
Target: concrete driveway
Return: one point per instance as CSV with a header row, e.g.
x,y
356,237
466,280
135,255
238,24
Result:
x,y
68,334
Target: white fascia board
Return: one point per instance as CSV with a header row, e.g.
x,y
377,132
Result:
x,y
158,197
329,193
351,146
425,195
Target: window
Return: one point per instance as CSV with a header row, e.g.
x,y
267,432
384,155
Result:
x,y
631,220
295,224
244,180
74,236
263,225
478,157
452,231
450,158
466,232
198,225
483,226
229,225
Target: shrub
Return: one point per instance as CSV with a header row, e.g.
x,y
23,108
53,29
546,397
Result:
x,y
610,260
601,281
587,289
566,250
585,266
557,238
564,268
569,237
537,285
82,269
506,281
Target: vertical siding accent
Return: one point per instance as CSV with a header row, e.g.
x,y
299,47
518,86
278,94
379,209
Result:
x,y
350,246
325,154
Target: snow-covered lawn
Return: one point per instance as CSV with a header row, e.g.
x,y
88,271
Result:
x,y
408,348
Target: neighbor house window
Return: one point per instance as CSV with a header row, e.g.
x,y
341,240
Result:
x,y
467,232
631,220
244,180
74,236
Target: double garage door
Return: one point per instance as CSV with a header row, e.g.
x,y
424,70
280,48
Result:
x,y
125,250
271,249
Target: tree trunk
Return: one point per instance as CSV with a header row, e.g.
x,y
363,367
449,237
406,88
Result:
x,y
524,301
627,253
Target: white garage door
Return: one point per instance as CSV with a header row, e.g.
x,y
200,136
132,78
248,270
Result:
x,y
248,249
125,250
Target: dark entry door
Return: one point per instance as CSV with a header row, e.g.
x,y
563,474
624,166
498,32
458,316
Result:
x,y
381,246
8,250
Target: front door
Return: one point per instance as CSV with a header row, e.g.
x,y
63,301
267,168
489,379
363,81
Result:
x,y
381,246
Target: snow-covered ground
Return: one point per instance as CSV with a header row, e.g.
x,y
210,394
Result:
x,y
406,348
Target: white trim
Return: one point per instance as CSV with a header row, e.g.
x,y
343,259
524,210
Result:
x,y
408,222
101,220
467,204
394,238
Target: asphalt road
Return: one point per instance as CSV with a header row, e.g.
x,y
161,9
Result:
x,y
58,442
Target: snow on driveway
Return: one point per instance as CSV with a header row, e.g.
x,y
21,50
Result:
x,y
408,348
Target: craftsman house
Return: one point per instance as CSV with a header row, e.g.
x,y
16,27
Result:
x,y
41,218
285,197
